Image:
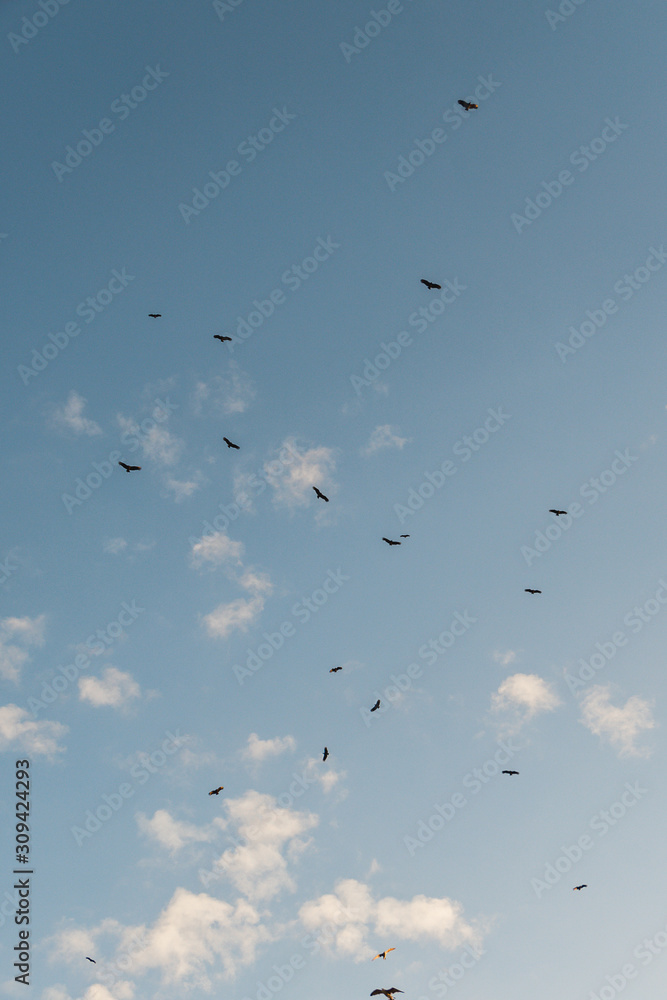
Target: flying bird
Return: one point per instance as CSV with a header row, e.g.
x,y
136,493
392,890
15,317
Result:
x,y
334,669
155,315
320,495
130,468
229,444
216,336
529,591
510,772
467,106
216,791
383,954
389,993
374,709
91,960
558,512
389,541
429,284
579,887
405,536
325,754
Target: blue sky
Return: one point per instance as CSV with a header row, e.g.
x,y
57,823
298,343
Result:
x,y
172,630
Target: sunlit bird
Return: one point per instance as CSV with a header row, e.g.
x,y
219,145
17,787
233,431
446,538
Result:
x,y
383,954
584,886
335,670
216,791
389,993
467,106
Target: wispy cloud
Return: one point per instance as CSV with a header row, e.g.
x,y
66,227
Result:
x,y
509,656
69,416
620,726
224,395
219,550
383,437
239,614
216,549
294,486
174,834
24,631
19,731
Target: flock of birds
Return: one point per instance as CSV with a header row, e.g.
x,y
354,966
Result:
x,y
390,991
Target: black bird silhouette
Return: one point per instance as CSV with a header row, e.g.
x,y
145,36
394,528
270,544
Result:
x,y
155,315
374,709
383,954
91,960
529,591
216,336
389,541
579,887
130,468
334,669
467,106
325,754
389,993
216,791
429,284
510,772
404,536
558,512
320,495
229,444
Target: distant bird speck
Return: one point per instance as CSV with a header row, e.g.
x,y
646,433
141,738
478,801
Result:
x,y
579,887
429,284
374,709
389,541
389,993
529,591
230,444
91,960
155,315
335,670
216,336
320,496
405,536
558,512
130,468
510,772
325,754
467,106
216,791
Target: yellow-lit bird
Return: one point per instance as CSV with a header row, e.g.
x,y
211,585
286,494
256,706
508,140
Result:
x,y
383,954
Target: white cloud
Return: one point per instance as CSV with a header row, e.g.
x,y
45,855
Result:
x,y
70,416
621,726
114,689
216,549
19,731
115,545
327,778
256,583
523,696
293,486
352,910
175,834
28,632
383,437
258,750
238,614
258,867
